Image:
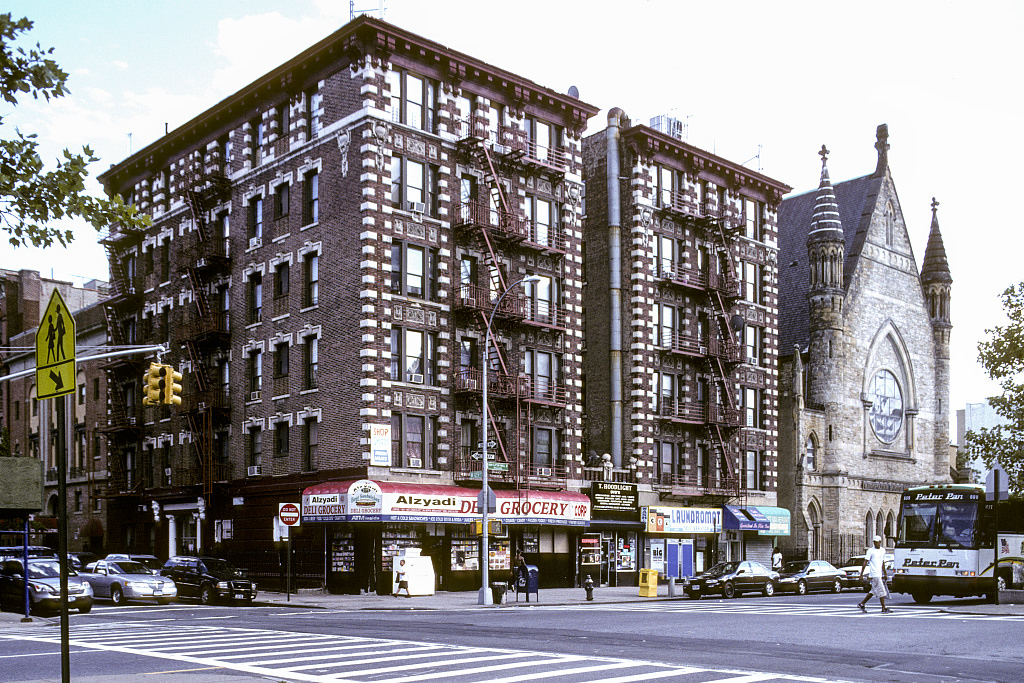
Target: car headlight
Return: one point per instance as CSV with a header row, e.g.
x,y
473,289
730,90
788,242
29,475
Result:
x,y
43,588
223,585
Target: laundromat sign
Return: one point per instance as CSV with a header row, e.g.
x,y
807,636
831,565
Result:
x,y
370,501
671,520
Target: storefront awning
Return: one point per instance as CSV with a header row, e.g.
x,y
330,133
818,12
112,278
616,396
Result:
x,y
744,518
368,500
779,519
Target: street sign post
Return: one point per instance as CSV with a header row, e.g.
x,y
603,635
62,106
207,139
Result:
x,y
290,516
55,350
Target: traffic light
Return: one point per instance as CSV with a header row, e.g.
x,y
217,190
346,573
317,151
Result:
x,y
152,391
172,386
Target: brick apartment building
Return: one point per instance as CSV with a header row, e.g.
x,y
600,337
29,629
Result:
x,y
681,331
23,297
328,245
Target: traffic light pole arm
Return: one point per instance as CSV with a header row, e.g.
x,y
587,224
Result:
x,y
159,349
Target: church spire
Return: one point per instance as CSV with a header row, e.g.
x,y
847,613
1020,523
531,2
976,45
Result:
x,y
936,280
825,222
882,145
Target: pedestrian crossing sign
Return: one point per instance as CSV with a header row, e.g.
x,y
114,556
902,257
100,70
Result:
x,y
55,350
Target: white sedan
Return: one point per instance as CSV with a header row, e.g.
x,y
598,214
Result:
x,y
122,580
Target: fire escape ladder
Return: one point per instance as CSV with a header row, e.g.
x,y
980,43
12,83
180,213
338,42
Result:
x,y
120,278
193,197
728,466
201,425
198,367
199,293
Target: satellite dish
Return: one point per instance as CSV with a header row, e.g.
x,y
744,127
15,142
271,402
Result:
x,y
736,323
574,91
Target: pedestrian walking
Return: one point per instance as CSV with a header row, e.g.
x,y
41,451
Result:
x,y
874,564
402,581
777,559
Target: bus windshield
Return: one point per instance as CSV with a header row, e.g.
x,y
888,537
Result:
x,y
940,524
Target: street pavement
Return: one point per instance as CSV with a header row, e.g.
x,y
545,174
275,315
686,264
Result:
x,y
547,597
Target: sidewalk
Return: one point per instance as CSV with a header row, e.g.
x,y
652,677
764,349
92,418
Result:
x,y
315,599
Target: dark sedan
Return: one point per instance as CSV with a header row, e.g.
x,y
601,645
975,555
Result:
x,y
731,579
805,576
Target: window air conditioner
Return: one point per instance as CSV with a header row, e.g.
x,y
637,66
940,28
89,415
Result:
x,y
416,207
255,395
167,471
752,360
543,471
255,242
471,384
255,471
416,379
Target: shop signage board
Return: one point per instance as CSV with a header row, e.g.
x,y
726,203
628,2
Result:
x,y
370,501
673,520
613,500
380,445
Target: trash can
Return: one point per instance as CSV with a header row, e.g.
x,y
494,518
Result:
x,y
648,583
498,589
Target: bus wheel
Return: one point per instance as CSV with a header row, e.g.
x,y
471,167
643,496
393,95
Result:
x,y
922,598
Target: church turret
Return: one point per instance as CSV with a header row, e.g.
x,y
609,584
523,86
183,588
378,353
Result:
x,y
826,252
936,281
882,145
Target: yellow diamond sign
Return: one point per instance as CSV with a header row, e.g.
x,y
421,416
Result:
x,y
55,350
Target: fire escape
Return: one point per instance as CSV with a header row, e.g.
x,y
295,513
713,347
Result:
x,y
719,414
494,228
123,428
205,334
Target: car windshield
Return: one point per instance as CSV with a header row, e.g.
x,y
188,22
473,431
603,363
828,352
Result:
x,y
151,563
220,567
46,570
794,567
723,568
128,567
855,562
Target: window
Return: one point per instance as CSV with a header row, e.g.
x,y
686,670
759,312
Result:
x,y
542,301
543,370
413,356
753,219
311,198
752,470
543,140
311,280
257,132
668,323
310,443
542,218
670,465
281,440
752,407
666,178
147,261
705,469
311,362
255,447
81,394
890,225
314,107
811,453
78,501
281,277
255,219
255,298
224,147
467,356
668,390
282,195
165,261
255,370
413,185
17,410
284,120
413,440
546,444
413,100
281,359
665,256
412,270
752,336
224,224
753,290
95,389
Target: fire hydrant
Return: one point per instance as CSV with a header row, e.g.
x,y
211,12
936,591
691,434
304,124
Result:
x,y
588,585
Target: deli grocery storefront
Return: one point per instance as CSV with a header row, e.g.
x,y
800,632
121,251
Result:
x,y
369,523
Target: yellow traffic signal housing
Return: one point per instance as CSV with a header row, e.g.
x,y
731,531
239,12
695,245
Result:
x,y
494,527
152,391
172,386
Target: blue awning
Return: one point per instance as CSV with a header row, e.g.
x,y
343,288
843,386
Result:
x,y
744,518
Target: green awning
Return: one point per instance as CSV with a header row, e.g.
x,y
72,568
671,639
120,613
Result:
x,y
779,518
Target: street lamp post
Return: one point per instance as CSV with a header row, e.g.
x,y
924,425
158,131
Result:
x,y
485,498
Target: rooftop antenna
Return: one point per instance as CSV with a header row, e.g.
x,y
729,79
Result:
x,y
686,127
353,12
756,156
129,144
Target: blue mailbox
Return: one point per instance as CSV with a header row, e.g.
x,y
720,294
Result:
x,y
527,581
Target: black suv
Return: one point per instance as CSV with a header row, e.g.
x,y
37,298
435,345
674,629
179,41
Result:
x,y
209,579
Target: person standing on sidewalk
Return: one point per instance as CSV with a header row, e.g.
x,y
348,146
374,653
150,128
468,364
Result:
x,y
874,563
400,579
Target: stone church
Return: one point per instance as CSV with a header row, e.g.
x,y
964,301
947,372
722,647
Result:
x,y
864,361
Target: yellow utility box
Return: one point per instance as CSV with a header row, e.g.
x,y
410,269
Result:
x,y
648,583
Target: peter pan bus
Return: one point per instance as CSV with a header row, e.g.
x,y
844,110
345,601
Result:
x,y
947,543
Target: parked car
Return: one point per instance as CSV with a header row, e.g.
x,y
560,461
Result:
x,y
81,559
851,572
18,551
122,580
731,579
150,562
43,587
210,579
803,576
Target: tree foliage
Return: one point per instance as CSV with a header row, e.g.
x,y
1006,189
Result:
x,y
32,197
1002,356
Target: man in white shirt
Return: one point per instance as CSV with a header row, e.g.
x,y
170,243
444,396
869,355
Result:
x,y
874,563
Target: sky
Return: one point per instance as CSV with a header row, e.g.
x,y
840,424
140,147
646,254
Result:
x,y
759,83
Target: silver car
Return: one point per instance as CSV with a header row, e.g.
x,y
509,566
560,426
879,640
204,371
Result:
x,y
122,580
43,587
